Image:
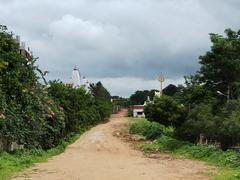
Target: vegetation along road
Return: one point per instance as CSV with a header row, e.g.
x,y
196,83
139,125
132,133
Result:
x,y
99,155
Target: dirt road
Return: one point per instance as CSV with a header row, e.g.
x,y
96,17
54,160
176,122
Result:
x,y
98,155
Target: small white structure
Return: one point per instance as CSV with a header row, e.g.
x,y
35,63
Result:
x,y
157,94
138,111
85,83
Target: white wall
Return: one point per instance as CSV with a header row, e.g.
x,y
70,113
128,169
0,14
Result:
x,y
135,113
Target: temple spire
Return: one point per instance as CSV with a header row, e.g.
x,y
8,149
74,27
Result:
x,y
76,78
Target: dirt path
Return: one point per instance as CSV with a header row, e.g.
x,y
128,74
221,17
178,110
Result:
x,y
98,155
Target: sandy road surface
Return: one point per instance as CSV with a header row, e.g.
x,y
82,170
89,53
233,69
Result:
x,y
98,155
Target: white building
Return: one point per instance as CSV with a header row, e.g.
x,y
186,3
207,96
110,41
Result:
x,y
138,111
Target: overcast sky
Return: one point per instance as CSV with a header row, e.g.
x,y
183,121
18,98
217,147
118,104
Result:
x,y
123,43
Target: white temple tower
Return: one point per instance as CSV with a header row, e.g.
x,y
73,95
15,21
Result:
x,y
76,79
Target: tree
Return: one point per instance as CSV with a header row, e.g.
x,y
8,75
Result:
x,y
139,97
194,93
165,110
103,97
170,90
220,67
99,91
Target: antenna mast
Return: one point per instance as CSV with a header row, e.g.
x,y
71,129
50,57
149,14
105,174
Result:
x,y
161,79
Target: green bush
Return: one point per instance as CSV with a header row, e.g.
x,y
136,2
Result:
x,y
151,130
154,131
139,126
79,107
130,112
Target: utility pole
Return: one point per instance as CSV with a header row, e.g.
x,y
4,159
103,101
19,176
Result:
x,y
161,79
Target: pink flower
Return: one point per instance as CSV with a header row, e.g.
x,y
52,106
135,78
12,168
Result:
x,y
52,114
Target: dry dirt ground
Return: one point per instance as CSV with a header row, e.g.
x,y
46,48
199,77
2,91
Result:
x,y
99,155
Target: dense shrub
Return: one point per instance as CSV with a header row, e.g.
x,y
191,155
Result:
x,y
79,106
26,116
222,126
199,121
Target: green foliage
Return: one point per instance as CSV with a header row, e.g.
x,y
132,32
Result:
x,y
27,118
103,97
151,130
193,93
214,115
80,108
99,91
104,107
165,110
170,90
121,102
220,67
130,112
200,120
222,126
139,126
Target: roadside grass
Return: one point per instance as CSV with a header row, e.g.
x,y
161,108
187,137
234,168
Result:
x,y
12,163
228,162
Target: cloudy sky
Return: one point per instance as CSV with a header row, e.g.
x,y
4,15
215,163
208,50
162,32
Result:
x,y
123,43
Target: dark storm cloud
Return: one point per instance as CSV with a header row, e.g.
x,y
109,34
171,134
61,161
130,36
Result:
x,y
120,41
